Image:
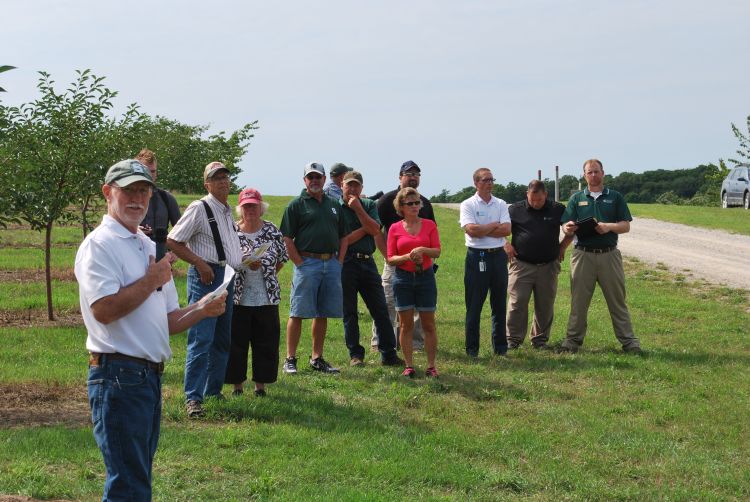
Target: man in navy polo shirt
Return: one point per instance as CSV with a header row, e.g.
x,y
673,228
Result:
x,y
596,259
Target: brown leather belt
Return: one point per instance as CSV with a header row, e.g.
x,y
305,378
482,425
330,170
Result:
x,y
95,359
319,256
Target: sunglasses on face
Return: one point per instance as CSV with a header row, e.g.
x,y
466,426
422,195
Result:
x,y
487,180
314,177
413,203
411,175
220,177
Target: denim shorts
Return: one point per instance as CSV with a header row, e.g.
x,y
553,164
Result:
x,y
316,289
415,291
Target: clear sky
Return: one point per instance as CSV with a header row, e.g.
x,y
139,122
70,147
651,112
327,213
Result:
x,y
513,86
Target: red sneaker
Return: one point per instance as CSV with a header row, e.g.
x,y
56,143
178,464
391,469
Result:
x,y
409,372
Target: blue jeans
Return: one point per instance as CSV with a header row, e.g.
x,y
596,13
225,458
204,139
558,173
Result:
x,y
125,400
208,341
360,276
494,279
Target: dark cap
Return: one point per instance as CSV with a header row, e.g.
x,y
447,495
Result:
x,y
409,165
126,172
355,176
338,169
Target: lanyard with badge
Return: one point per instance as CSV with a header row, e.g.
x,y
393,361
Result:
x,y
482,215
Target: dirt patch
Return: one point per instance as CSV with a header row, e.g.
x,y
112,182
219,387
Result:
x,y
36,275
37,404
37,318
16,498
58,274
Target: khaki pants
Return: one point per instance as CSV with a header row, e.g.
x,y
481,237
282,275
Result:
x,y
523,280
586,270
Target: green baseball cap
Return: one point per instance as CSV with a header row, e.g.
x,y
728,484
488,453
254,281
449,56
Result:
x,y
126,172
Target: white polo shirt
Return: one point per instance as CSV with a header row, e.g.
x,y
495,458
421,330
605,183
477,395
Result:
x,y
194,230
476,211
110,258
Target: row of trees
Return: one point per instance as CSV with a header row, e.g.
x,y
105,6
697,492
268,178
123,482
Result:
x,y
54,153
697,186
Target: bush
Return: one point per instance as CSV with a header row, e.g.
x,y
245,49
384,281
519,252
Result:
x,y
669,198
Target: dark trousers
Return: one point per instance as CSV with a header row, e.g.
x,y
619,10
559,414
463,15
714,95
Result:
x,y
494,279
361,277
259,328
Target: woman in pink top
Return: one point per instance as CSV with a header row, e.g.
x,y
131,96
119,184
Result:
x,y
412,245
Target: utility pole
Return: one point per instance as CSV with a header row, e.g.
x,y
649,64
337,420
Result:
x,y
557,183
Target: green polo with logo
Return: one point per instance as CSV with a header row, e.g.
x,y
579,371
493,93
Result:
x,y
366,245
315,227
609,207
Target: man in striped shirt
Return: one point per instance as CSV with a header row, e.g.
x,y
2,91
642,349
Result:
x,y
192,239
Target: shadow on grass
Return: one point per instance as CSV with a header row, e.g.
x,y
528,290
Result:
x,y
299,401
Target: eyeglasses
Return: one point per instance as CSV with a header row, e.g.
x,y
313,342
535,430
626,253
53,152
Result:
x,y
411,175
487,180
413,203
314,177
132,191
220,177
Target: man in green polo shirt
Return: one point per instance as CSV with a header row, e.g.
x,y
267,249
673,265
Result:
x,y
314,232
596,258
360,274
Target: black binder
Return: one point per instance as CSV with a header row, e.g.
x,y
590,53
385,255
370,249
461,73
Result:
x,y
586,227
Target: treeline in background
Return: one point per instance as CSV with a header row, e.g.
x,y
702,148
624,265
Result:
x,y
698,186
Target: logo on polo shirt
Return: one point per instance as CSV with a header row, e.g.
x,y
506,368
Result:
x,y
608,201
333,210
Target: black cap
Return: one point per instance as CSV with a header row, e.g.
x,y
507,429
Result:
x,y
409,165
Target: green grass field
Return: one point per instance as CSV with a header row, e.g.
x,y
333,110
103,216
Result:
x,y
734,220
598,425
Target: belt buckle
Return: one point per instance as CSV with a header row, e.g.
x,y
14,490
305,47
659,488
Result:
x,y
95,359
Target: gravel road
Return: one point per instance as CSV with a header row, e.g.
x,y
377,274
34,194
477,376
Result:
x,y
716,256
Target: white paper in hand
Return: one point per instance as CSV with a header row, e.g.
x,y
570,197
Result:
x,y
228,277
256,254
